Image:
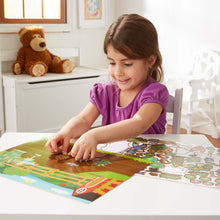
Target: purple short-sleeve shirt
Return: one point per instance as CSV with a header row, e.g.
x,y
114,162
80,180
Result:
x,y
106,96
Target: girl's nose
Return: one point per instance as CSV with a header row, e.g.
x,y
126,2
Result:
x,y
118,71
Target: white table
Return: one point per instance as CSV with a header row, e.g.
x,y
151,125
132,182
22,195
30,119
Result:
x,y
137,198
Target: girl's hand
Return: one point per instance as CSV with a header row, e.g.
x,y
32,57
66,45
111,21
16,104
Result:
x,y
84,148
56,141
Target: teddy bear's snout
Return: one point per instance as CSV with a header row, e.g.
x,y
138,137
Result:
x,y
38,44
42,44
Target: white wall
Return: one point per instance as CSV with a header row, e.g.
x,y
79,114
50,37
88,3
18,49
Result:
x,y
184,27
130,6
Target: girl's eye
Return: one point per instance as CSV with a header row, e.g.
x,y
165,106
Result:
x,y
128,64
111,63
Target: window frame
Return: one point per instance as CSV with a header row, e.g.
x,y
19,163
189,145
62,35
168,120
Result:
x,y
50,26
33,21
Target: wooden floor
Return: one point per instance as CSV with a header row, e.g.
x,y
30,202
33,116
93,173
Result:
x,y
215,142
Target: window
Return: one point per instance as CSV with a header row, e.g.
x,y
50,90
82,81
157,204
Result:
x,y
33,11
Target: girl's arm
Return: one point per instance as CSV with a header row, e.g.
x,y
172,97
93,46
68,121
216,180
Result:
x,y
74,128
85,146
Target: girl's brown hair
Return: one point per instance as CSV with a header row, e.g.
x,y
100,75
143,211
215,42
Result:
x,y
135,37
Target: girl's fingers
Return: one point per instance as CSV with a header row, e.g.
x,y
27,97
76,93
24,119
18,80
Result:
x,y
65,146
74,150
51,147
79,154
92,154
77,151
54,146
48,147
82,151
86,155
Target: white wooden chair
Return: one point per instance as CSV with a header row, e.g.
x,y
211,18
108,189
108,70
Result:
x,y
199,112
175,107
202,109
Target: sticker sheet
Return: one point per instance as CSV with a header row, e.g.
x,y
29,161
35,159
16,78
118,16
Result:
x,y
193,164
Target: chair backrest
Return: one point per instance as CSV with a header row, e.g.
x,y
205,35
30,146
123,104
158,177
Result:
x,y
206,64
205,71
175,106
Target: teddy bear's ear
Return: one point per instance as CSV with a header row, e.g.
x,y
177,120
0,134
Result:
x,y
41,28
22,31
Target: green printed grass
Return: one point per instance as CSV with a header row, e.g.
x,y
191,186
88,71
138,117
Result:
x,y
140,160
105,174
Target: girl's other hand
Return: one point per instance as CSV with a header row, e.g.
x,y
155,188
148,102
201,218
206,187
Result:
x,y
58,143
84,148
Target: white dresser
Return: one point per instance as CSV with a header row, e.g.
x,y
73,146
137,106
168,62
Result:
x,y
45,104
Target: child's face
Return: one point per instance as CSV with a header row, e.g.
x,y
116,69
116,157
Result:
x,y
129,74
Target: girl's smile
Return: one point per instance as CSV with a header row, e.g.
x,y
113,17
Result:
x,y
122,81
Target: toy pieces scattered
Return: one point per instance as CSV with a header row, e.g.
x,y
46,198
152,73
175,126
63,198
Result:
x,y
59,157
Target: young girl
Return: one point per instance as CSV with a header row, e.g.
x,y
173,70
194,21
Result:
x,y
135,103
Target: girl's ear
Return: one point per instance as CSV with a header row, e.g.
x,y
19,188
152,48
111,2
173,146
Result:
x,y
151,60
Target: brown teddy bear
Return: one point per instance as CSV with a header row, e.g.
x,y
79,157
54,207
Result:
x,y
34,58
